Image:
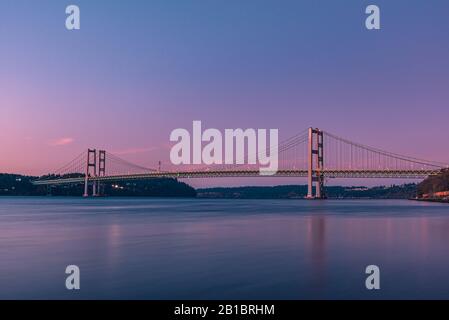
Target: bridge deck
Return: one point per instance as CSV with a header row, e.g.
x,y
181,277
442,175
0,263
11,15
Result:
x,y
400,174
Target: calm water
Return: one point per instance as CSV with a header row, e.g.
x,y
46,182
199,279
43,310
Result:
x,y
222,249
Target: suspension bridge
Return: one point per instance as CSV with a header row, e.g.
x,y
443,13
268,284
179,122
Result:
x,y
312,153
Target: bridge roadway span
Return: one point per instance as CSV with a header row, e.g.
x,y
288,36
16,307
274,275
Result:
x,y
399,174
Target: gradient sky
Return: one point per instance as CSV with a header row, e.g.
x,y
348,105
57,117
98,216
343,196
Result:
x,y
139,69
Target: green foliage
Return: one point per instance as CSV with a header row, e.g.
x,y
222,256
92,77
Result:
x,y
405,191
18,185
434,184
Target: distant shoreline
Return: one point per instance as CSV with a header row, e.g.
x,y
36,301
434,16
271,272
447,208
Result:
x,y
431,200
208,198
404,192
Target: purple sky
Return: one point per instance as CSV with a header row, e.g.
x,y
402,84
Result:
x,y
139,69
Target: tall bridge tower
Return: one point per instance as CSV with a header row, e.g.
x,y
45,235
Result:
x,y
91,163
101,171
315,161
92,170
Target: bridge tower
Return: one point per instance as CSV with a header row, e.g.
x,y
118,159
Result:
x,y
91,163
101,170
315,160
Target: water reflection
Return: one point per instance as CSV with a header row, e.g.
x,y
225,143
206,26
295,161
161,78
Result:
x,y
316,246
218,249
114,247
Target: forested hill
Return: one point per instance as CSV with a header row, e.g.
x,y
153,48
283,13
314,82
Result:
x,y
405,191
19,185
433,184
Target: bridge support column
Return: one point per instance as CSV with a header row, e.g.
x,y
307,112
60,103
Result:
x,y
314,174
91,163
86,191
101,171
319,164
310,166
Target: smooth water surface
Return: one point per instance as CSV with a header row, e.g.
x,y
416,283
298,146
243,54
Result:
x,y
132,248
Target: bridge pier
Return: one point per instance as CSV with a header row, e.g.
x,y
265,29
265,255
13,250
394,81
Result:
x,y
94,189
315,172
49,186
